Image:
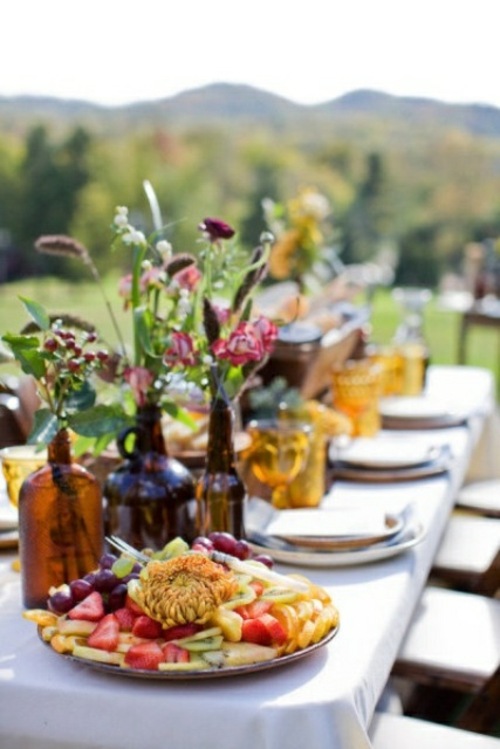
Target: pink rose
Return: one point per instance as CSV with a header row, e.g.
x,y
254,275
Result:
x,y
139,379
153,277
188,278
181,350
267,331
223,313
242,346
125,288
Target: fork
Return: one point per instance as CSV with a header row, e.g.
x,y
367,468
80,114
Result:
x,y
237,565
120,545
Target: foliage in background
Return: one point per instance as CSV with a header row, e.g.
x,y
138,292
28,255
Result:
x,y
413,176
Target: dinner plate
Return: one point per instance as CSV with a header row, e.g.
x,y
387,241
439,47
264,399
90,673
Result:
x,y
341,528
206,673
418,412
286,554
9,539
385,453
9,517
377,475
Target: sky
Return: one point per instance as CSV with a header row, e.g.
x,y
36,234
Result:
x,y
309,51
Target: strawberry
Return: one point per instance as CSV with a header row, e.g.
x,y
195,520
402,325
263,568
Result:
x,y
144,626
91,609
132,605
276,630
258,607
105,635
175,654
145,655
254,630
126,618
242,611
257,586
181,630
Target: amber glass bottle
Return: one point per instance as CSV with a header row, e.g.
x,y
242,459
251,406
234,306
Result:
x,y
150,498
60,523
220,491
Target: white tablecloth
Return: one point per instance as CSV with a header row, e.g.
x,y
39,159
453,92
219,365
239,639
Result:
x,y
324,700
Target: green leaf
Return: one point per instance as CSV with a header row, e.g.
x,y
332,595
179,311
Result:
x,y
143,322
25,350
180,414
99,421
37,312
80,398
45,427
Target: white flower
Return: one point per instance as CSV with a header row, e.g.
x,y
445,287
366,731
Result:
x,y
134,237
207,360
146,265
121,220
121,216
164,248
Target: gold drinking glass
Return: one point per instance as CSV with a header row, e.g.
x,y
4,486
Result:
x,y
18,462
277,454
356,392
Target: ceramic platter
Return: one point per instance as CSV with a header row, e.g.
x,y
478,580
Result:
x,y
206,673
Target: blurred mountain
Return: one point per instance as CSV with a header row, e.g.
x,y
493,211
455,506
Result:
x,y
238,106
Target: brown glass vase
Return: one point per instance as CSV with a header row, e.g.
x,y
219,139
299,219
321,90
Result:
x,y
220,491
60,523
150,498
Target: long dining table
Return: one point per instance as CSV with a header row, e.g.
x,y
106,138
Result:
x,y
325,699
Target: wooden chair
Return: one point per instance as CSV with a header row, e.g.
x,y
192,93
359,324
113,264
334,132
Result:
x,y
451,656
481,498
468,557
389,731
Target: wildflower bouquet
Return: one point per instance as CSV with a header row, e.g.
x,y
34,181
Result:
x,y
194,328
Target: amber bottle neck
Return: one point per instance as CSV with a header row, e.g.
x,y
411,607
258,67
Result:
x,y
220,449
59,449
149,433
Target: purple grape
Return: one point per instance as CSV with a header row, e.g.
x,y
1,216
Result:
x,y
80,589
203,542
61,602
117,597
90,578
131,576
223,541
242,549
264,559
105,581
107,561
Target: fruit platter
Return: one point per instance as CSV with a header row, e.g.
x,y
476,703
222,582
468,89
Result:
x,y
212,608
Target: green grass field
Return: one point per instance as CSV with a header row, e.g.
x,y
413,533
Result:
x,y
441,327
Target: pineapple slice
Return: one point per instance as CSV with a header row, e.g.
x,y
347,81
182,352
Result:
x,y
239,654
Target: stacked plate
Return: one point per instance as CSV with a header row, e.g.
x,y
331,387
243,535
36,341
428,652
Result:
x,y
8,524
388,458
338,536
418,412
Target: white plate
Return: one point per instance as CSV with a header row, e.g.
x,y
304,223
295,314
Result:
x,y
334,529
385,453
413,407
412,536
8,517
259,515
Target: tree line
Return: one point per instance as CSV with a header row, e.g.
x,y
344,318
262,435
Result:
x,y
423,199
